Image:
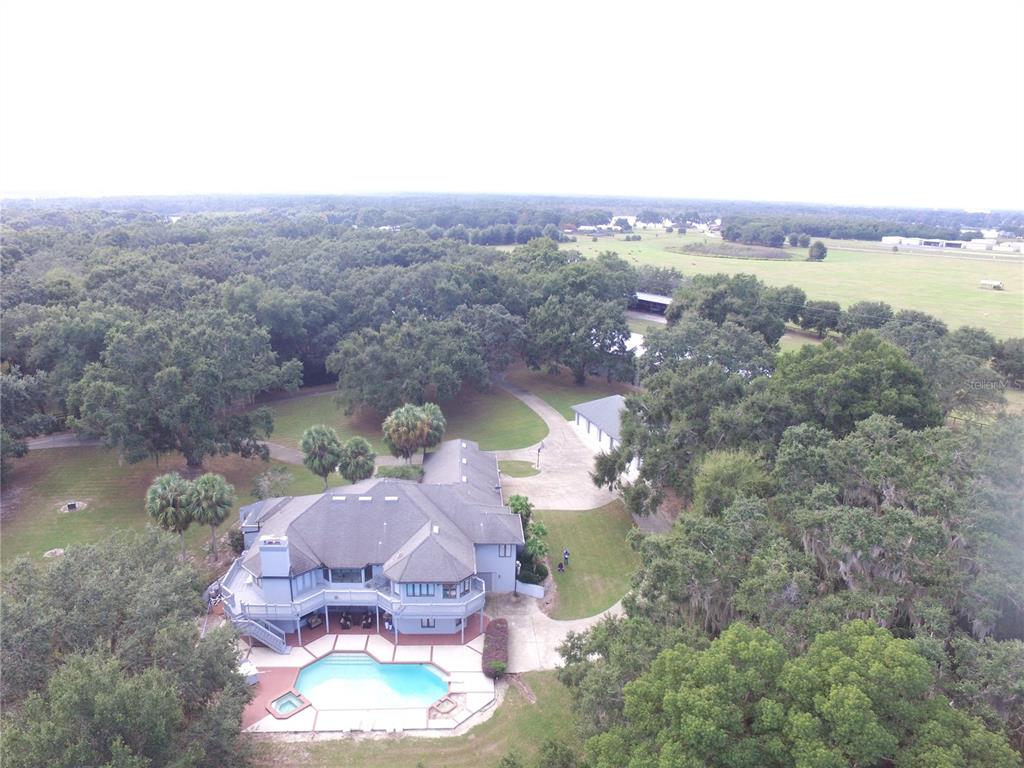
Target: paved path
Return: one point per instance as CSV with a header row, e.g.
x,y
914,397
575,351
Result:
x,y
534,636
565,462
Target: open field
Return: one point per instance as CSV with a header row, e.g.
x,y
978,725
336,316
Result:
x,y
941,284
601,563
517,724
560,391
494,419
44,480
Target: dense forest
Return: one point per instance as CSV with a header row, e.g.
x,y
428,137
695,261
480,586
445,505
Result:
x,y
850,514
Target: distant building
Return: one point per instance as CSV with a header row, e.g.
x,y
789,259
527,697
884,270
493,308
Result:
x,y
598,422
654,303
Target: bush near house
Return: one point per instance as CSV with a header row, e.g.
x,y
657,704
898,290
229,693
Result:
x,y
495,655
402,472
533,573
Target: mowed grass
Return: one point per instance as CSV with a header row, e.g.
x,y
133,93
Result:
x,y
790,342
601,563
940,284
636,325
560,391
494,419
516,725
514,468
41,482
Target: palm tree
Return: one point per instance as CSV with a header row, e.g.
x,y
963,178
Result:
x,y
167,502
436,425
357,459
322,450
405,430
211,501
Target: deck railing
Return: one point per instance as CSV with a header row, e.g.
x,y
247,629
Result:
x,y
367,597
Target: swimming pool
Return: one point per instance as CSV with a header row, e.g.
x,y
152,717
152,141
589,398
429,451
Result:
x,y
358,681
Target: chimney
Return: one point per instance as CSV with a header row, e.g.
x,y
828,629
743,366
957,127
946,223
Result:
x,y
274,558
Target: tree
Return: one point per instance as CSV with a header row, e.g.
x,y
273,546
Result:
x,y
817,251
1009,360
521,506
863,316
356,459
405,431
23,400
581,333
820,316
321,451
743,702
743,299
271,482
794,239
805,240
723,477
166,385
210,503
436,425
168,502
98,679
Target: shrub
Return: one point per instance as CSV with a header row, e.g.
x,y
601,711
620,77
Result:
x,y
402,472
236,540
533,573
495,656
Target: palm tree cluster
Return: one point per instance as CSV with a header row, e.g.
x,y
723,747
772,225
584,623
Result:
x,y
323,453
175,503
412,427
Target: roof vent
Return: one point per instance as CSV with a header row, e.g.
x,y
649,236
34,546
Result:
x,y
338,498
464,479
366,498
463,461
390,498
437,529
463,445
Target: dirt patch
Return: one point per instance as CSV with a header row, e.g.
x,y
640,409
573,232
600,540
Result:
x,y
519,684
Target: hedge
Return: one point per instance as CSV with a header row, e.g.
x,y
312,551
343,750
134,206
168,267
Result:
x,y
402,472
495,656
534,573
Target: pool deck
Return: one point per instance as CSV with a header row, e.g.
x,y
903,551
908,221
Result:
x,y
469,689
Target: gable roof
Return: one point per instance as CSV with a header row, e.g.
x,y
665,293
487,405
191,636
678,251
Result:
x,y
605,414
420,532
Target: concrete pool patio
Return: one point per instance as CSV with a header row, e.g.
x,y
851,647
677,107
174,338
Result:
x,y
469,689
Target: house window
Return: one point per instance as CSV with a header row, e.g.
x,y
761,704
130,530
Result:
x,y
419,590
428,623
450,591
347,575
506,550
465,586
458,622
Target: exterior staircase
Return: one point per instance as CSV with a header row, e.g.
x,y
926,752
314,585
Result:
x,y
268,634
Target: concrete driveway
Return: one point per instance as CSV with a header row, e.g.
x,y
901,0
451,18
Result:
x,y
534,636
565,462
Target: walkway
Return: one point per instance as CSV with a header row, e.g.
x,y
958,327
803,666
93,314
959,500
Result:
x,y
534,636
565,462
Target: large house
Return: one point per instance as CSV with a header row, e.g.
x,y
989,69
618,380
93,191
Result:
x,y
415,558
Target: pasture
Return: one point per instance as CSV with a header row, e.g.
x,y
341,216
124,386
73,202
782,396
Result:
x,y
942,284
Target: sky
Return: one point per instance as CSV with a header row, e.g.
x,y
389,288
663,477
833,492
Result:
x,y
898,103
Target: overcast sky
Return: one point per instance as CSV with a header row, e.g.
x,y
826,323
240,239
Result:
x,y
888,103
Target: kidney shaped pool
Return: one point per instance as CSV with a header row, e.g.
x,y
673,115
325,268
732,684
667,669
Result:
x,y
357,681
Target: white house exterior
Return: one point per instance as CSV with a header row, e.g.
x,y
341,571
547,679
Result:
x,y
598,424
417,558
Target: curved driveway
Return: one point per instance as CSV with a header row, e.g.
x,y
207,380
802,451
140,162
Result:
x,y
565,462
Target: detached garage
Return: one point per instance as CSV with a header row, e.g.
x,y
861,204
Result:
x,y
598,423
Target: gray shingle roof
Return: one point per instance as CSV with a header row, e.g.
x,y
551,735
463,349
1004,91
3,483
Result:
x,y
420,532
605,414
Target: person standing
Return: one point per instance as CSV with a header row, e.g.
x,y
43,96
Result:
x,y
565,558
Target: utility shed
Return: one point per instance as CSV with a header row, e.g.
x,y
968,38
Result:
x,y
992,285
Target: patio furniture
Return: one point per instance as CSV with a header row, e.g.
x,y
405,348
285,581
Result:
x,y
367,621
313,620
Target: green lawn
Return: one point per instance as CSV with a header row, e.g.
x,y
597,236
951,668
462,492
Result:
x,y
941,285
516,724
601,563
560,391
514,468
790,342
43,481
636,325
494,419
